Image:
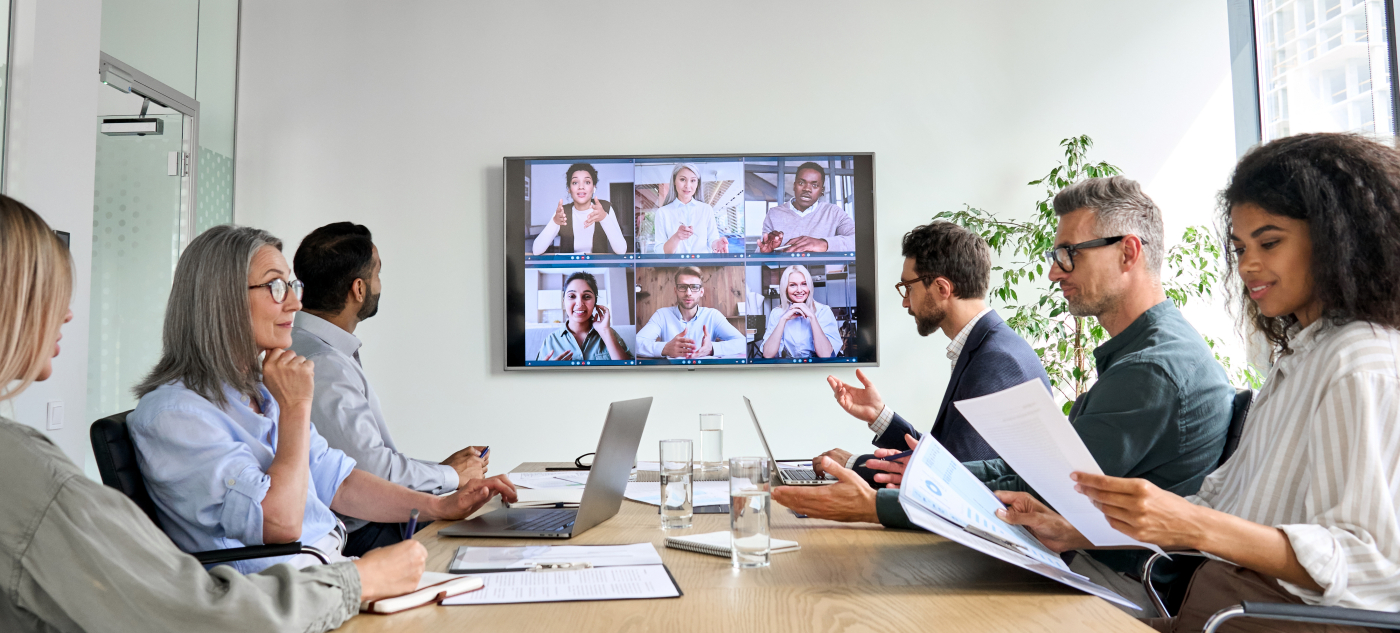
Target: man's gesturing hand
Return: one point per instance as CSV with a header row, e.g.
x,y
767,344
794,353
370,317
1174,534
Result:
x,y
850,499
863,404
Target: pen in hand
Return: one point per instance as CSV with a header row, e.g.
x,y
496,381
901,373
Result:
x,y
484,451
412,526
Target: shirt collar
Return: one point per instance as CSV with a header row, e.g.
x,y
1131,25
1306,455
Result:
x,y
955,347
1127,340
803,214
344,342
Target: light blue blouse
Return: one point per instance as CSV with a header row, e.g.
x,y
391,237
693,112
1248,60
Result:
x,y
797,334
206,470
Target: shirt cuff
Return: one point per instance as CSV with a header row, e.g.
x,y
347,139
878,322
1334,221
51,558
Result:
x,y
1321,556
889,510
882,421
851,461
450,479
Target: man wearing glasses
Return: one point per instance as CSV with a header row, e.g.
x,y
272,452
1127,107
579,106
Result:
x,y
947,270
688,329
1161,406
340,265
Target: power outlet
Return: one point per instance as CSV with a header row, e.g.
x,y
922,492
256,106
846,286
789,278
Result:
x,y
55,416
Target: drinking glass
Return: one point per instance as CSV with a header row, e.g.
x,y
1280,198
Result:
x,y
750,504
677,462
711,442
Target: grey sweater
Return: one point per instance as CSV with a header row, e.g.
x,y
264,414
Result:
x,y
823,220
78,556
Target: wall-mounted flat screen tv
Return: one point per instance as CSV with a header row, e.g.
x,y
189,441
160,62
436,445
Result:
x,y
699,261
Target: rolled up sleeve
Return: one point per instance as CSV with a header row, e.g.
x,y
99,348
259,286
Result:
x,y
329,467
207,481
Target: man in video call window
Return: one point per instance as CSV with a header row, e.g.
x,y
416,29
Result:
x,y
806,224
688,329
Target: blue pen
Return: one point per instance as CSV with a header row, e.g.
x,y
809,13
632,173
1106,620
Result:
x,y
484,451
890,458
412,524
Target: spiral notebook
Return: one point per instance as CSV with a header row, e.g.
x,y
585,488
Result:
x,y
718,544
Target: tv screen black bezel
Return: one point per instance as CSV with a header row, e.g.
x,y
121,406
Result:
x,y
514,212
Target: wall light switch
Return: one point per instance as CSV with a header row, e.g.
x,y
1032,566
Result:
x,y
55,419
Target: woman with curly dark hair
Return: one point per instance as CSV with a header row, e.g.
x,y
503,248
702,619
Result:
x,y
1305,510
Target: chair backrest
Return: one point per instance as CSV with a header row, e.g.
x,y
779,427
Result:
x,y
116,461
1238,412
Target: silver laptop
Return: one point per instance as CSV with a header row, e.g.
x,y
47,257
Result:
x,y
602,494
789,476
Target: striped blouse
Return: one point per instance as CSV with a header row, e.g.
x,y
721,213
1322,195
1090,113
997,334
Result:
x,y
1320,459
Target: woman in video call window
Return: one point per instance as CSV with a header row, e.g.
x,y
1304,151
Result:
x,y
587,333
800,326
576,224
685,224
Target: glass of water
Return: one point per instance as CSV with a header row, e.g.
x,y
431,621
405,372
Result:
x,y
711,442
677,464
750,502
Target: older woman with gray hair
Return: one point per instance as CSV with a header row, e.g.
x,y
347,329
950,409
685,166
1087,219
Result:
x,y
80,556
685,223
225,439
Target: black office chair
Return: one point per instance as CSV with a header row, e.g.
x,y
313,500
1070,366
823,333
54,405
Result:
x,y
116,461
1265,610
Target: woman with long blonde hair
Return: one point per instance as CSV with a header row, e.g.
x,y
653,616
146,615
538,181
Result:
x,y
800,327
685,223
78,555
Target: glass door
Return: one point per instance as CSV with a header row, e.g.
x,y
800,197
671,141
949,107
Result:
x,y
142,218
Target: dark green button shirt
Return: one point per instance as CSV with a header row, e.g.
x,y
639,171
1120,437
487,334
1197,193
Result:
x,y
1159,411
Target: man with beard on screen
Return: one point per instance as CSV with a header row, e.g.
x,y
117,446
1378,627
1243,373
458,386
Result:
x,y
339,265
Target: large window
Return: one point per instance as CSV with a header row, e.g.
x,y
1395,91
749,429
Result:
x,y
1322,66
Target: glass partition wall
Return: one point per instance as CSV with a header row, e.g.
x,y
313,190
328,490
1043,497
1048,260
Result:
x,y
157,189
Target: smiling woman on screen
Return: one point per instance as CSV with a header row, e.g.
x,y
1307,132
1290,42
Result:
x,y
799,326
587,333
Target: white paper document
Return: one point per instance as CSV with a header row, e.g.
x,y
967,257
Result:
x,y
702,493
548,497
473,559
940,495
549,480
1023,425
606,583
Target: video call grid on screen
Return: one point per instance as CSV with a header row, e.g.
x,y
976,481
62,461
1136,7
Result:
x,y
723,216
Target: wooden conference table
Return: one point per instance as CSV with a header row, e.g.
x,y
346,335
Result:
x,y
845,578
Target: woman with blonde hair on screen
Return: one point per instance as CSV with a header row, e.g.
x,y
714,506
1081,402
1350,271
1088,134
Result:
x,y
799,326
684,223
81,556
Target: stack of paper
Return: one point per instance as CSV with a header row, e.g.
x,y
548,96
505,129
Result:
x,y
571,479
703,493
482,559
548,497
721,544
1024,426
940,495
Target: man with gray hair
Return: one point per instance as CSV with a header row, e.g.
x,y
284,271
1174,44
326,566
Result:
x,y
1161,407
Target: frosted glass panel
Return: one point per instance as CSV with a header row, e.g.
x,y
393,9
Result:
x,y
135,245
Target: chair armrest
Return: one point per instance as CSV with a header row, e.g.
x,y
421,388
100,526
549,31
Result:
x,y
1147,578
214,557
1304,613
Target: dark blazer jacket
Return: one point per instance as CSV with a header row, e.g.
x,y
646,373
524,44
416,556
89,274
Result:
x,y
993,358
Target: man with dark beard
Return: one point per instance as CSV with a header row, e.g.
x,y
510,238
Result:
x,y
339,266
947,270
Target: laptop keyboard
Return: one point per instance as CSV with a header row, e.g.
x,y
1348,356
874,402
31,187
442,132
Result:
x,y
551,521
803,474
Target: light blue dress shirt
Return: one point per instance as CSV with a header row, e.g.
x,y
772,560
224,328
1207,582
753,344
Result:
x,y
346,412
206,470
797,334
666,323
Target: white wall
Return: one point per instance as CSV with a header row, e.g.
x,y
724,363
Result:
x,y
396,115
52,149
